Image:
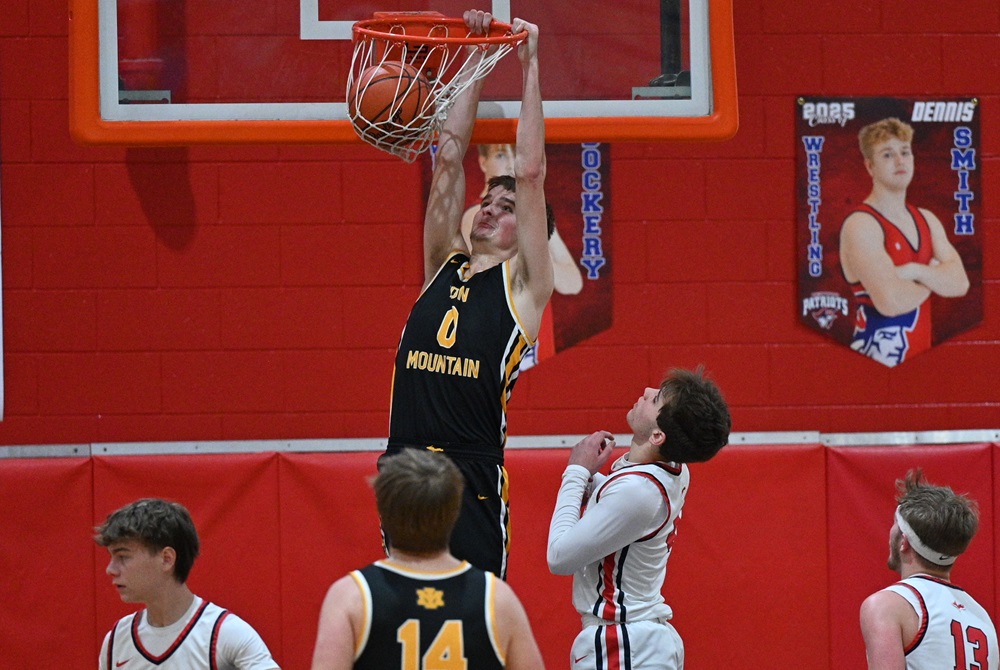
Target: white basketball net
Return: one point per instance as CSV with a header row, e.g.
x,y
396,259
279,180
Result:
x,y
449,69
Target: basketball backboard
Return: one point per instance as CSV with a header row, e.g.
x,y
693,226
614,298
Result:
x,y
170,72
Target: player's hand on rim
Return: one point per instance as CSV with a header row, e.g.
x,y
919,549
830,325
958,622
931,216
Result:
x,y
528,49
477,21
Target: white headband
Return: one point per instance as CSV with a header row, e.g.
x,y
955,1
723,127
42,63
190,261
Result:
x,y
935,557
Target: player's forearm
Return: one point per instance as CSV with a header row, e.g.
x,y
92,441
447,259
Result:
x,y
530,158
898,297
565,516
946,279
457,129
535,266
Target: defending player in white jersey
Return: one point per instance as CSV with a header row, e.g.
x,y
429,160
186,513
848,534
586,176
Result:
x,y
924,622
153,544
617,547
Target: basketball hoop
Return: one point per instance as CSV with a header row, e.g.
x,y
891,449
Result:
x,y
447,59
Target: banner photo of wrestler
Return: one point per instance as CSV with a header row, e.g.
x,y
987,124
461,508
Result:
x,y
578,188
889,229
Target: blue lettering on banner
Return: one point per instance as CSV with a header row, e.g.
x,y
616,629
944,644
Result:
x,y
814,147
591,194
963,160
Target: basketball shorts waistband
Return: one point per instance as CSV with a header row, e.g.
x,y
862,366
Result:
x,y
477,453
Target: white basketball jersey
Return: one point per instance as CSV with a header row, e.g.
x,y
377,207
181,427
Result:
x,y
207,637
955,631
625,585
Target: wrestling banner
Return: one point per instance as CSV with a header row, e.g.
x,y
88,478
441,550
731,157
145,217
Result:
x,y
889,243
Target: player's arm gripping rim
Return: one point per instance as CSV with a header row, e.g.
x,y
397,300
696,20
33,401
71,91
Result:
x,y
533,279
446,202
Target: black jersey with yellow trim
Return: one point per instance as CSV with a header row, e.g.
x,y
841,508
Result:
x,y
458,360
444,616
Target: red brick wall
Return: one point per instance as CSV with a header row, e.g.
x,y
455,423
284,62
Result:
x,y
258,292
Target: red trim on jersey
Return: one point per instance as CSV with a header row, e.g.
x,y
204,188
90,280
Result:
x,y
659,484
674,469
606,607
152,658
213,663
918,638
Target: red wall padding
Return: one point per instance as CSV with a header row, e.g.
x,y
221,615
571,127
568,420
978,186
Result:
x,y
747,577
861,500
534,481
776,549
328,526
47,592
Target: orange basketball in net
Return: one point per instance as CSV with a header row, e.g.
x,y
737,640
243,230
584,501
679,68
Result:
x,y
386,100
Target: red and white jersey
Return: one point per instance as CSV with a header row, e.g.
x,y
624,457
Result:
x,y
955,631
207,637
618,546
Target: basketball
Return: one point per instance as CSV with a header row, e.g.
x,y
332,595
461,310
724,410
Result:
x,y
386,97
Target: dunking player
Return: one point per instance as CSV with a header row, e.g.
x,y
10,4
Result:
x,y
617,549
496,160
421,603
478,314
924,622
894,254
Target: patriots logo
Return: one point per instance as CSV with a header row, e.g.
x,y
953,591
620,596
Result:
x,y
824,317
824,307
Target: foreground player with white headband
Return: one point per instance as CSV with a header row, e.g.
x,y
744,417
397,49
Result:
x,y
924,622
935,557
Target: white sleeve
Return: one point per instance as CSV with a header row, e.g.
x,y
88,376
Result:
x,y
241,647
629,508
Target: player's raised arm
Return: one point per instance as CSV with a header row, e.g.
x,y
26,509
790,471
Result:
x,y
446,202
533,270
